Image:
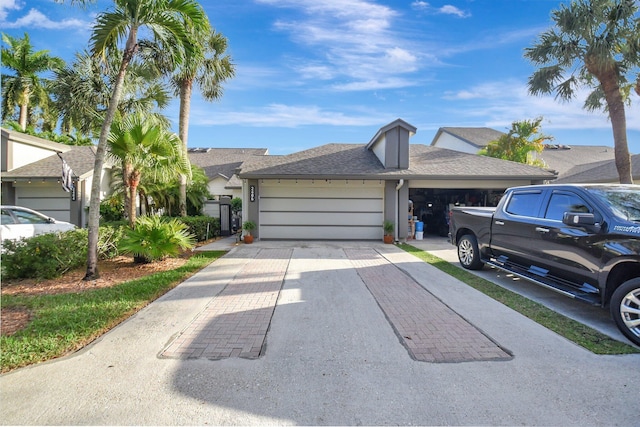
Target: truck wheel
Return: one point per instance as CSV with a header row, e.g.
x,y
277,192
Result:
x,y
625,309
468,252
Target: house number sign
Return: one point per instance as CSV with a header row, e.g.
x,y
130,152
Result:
x,y
252,193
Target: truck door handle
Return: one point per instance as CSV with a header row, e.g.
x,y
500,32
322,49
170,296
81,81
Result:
x,y
542,229
499,222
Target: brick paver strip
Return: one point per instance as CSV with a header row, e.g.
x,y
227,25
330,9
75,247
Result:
x,y
236,321
430,330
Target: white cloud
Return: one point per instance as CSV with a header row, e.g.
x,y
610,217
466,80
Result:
x,y
447,9
316,71
352,40
36,19
498,104
281,115
452,10
422,5
369,85
6,6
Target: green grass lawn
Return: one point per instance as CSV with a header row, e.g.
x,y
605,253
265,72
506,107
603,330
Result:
x,y
64,323
575,331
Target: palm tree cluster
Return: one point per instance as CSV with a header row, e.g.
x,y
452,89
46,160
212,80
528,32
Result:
x,y
114,93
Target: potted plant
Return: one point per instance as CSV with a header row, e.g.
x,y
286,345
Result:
x,y
388,227
247,226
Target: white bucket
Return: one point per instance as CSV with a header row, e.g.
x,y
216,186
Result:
x,y
419,235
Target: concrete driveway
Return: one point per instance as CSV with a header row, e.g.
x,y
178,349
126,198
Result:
x,y
338,350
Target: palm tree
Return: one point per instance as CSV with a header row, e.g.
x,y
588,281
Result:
x,y
81,91
208,71
165,194
597,42
520,144
144,146
167,23
25,88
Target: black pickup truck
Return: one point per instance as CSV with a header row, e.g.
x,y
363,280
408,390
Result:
x,y
580,240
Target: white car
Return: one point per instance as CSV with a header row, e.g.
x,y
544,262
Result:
x,y
19,223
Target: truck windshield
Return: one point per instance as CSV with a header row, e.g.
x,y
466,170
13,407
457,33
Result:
x,y
625,202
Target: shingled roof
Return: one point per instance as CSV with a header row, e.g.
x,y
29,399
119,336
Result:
x,y
330,160
340,161
478,137
223,162
564,158
81,159
428,162
604,171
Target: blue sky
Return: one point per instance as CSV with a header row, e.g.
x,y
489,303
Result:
x,y
312,72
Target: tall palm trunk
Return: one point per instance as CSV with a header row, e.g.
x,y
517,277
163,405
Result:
x,y
94,204
608,77
24,110
134,181
183,132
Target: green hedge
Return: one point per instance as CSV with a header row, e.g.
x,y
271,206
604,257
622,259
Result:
x,y
198,226
51,255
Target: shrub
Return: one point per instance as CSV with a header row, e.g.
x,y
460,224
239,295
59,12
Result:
x,y
45,256
198,226
156,237
51,255
111,209
109,238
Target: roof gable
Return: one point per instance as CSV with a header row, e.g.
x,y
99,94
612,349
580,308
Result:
x,y
479,137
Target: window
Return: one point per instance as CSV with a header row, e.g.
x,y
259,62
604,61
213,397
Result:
x,y
29,218
6,217
564,202
524,204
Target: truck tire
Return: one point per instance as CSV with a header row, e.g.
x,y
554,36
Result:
x,y
468,252
625,309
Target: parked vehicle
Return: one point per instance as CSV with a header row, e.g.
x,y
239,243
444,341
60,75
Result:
x,y
20,223
580,240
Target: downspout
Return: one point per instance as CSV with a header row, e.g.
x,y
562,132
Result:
x,y
398,187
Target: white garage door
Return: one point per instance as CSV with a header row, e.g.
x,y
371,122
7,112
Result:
x,y
342,210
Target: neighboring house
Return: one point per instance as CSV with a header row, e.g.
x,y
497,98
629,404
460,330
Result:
x,y
220,164
32,171
599,172
572,164
467,140
346,191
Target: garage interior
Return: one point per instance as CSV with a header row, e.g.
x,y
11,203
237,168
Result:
x,y
431,205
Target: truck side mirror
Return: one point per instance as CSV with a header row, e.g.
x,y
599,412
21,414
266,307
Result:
x,y
579,219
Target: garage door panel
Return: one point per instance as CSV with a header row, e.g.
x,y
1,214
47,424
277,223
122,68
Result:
x,y
319,205
322,218
334,232
297,191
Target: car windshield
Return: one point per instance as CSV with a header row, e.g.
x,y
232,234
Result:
x,y
25,217
624,201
